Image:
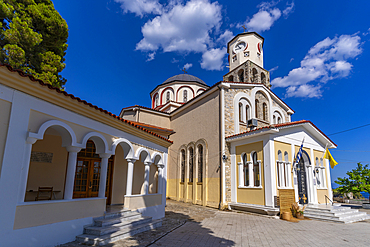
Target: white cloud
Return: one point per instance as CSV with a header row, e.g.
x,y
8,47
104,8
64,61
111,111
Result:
x,y
267,15
288,10
263,20
140,7
304,91
225,37
273,69
182,27
151,56
325,61
213,59
188,66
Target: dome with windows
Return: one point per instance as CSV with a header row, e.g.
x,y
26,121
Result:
x,y
184,78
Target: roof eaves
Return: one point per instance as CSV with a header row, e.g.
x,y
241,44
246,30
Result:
x,y
21,73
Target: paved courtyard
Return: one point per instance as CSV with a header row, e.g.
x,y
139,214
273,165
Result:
x,y
190,225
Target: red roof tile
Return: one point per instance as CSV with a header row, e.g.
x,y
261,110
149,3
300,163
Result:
x,y
21,73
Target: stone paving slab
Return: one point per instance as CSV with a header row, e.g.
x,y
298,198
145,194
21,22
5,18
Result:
x,y
210,227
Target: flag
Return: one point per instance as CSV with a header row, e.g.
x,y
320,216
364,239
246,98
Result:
x,y
328,156
299,154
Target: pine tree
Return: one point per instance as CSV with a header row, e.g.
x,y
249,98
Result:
x,y
33,38
358,180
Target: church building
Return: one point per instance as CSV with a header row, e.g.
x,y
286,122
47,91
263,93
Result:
x,y
234,143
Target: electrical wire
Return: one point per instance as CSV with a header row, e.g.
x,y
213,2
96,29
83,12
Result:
x,y
350,129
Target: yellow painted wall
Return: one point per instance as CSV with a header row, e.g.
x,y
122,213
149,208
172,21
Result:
x,y
190,192
47,213
190,128
48,174
321,195
142,201
283,147
248,195
119,177
199,191
138,181
5,108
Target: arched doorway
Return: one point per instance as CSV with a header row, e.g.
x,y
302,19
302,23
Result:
x,y
87,175
302,178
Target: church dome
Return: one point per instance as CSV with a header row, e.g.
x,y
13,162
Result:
x,y
184,78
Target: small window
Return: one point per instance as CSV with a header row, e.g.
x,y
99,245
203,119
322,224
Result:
x,y
263,78
183,160
156,101
241,75
168,97
256,170
185,96
279,120
264,109
247,112
191,164
255,75
245,170
240,112
256,108
200,163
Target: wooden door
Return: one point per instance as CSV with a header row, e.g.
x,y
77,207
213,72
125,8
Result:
x,y
87,178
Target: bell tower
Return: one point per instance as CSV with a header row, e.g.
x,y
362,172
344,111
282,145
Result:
x,y
246,59
243,47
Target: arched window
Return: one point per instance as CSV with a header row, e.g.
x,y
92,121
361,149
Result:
x,y
256,108
183,160
247,112
156,100
279,120
278,168
264,109
255,75
240,112
200,163
286,156
245,170
185,98
241,75
191,164
263,78
231,78
168,97
256,170
274,119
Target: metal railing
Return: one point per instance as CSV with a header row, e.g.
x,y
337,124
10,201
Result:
x,y
326,200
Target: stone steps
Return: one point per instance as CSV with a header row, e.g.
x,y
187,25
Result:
x,y
334,213
115,226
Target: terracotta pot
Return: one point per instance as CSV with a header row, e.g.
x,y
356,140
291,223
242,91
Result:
x,y
286,216
300,216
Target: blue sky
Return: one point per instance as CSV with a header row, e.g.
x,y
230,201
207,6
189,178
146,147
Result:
x,y
317,53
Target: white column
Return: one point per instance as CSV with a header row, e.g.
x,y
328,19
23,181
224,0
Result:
x,y
71,170
328,184
314,180
160,179
281,176
241,173
269,171
289,174
103,174
260,171
250,172
309,181
146,177
130,176
295,179
25,168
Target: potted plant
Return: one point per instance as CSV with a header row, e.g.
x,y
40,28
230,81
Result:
x,y
298,211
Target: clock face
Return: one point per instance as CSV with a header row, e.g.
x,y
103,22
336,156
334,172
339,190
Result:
x,y
240,46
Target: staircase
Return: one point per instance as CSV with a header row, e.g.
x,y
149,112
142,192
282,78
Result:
x,y
114,226
335,213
